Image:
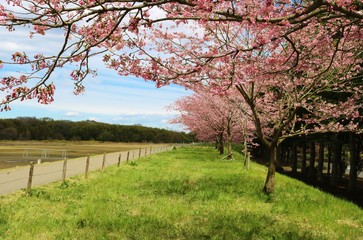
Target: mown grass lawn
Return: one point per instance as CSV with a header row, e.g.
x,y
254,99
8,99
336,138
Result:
x,y
188,193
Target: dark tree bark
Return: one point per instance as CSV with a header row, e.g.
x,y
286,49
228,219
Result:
x,y
294,158
353,163
303,160
270,179
337,157
311,173
280,153
329,159
221,144
229,139
246,156
289,154
321,162
221,148
229,151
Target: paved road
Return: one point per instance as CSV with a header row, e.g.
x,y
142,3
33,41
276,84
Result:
x,y
14,179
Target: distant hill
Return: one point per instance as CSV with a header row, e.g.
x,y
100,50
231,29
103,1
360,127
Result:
x,y
29,128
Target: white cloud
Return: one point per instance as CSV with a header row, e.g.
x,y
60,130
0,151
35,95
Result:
x,y
150,120
20,41
108,97
93,119
13,47
72,114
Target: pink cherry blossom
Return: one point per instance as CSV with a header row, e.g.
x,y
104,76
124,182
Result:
x,y
276,57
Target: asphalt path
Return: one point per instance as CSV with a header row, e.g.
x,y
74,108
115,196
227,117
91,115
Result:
x,y
14,179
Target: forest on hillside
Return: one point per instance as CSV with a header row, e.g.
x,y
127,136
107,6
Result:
x,y
29,128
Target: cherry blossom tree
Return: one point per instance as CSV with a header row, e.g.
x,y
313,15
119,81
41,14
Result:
x,y
275,88
278,54
95,27
211,118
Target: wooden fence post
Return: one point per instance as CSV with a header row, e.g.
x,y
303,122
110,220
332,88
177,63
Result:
x,y
103,161
128,156
64,170
30,179
140,153
119,161
87,166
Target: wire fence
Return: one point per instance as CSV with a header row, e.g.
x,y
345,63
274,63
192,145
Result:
x,y
42,173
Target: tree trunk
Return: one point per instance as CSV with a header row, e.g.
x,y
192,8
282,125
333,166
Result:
x,y
281,153
353,163
229,150
270,179
337,155
246,162
321,162
229,139
221,148
303,160
221,144
311,173
294,158
246,153
329,159
289,155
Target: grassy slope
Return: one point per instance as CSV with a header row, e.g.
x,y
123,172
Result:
x,y
186,194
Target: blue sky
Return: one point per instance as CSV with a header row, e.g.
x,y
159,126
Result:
x,y
108,98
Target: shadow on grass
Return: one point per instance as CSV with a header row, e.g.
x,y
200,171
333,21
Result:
x,y
214,224
205,188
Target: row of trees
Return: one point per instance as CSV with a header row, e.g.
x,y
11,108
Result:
x,y
324,158
282,60
212,118
49,129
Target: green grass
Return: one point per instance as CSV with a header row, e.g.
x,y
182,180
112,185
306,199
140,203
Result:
x,y
188,193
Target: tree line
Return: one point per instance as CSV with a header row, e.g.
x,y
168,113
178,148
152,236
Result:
x,y
29,128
